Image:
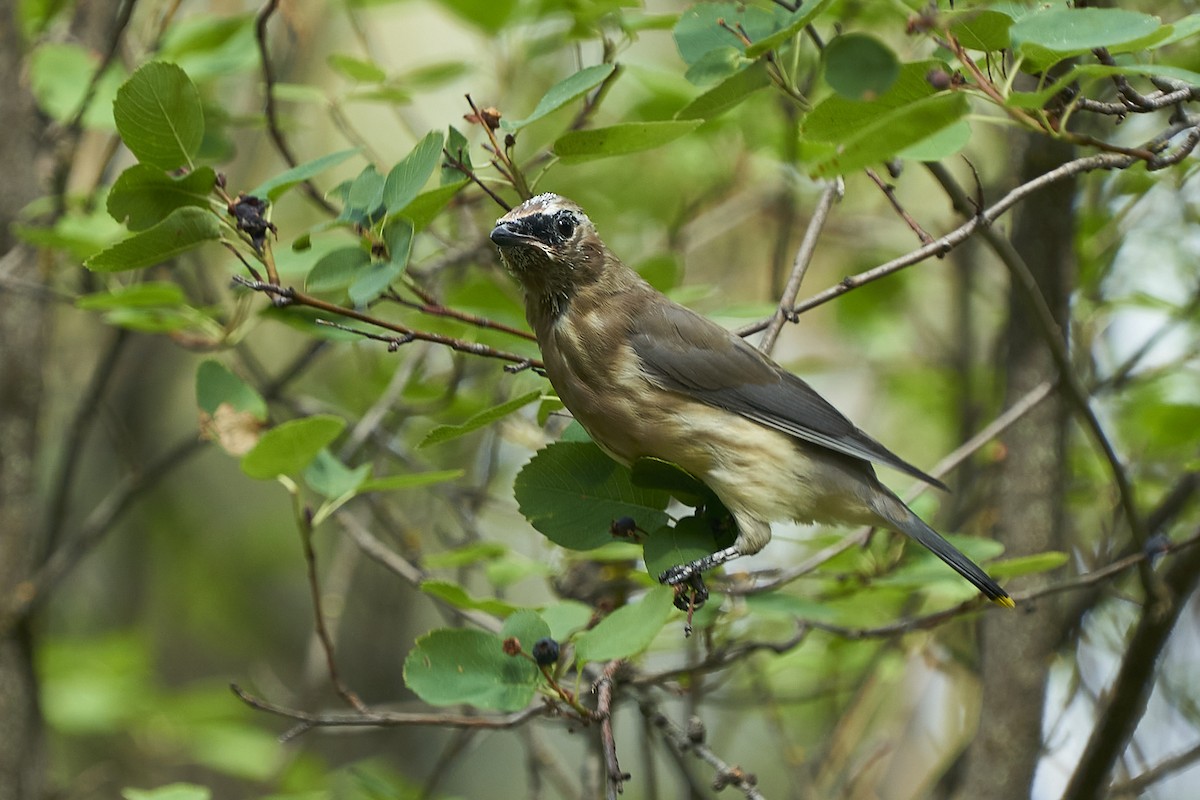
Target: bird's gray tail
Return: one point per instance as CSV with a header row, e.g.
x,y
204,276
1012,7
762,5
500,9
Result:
x,y
913,526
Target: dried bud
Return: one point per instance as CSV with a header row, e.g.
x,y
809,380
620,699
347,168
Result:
x,y
512,646
488,117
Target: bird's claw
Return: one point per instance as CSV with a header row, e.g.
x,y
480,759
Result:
x,y
690,591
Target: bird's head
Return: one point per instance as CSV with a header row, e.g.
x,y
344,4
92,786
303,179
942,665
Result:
x,y
550,246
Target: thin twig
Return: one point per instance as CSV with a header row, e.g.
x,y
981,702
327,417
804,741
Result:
x,y
726,774
462,167
804,254
1137,785
30,594
604,691
304,523
889,191
379,718
72,441
436,309
269,109
946,243
291,296
393,561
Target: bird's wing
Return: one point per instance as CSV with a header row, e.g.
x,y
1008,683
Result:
x,y
684,352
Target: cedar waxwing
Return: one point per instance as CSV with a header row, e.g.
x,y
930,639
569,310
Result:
x,y
647,377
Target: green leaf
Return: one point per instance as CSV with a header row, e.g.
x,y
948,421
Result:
x,y
859,67
488,16
940,145
980,28
59,75
448,667
144,195
572,493
337,269
562,93
457,146
716,66
159,116
699,30
274,188
208,46
174,791
627,631
888,135
215,385
1057,33
655,473
427,205
566,617
371,282
363,197
731,92
527,627
457,596
182,230
237,749
791,607
444,433
629,137
329,477
412,480
152,294
1028,565
669,546
802,17
408,177
357,69
837,118
288,448
465,556
1181,29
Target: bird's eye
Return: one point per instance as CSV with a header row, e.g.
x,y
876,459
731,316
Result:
x,y
564,223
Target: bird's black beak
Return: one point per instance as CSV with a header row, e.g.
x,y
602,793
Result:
x,y
509,234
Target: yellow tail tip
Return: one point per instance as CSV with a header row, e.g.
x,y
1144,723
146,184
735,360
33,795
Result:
x,y
1005,601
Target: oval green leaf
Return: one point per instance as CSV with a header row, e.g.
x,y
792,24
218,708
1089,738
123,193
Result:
x,y
444,433
448,667
1059,32
274,188
144,195
630,137
669,546
731,92
215,384
337,269
405,180
860,67
159,116
629,630
182,230
563,92
572,492
288,448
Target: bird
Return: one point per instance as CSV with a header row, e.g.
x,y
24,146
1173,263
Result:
x,y
647,377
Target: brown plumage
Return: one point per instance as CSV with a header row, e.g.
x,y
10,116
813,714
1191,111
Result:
x,y
648,377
